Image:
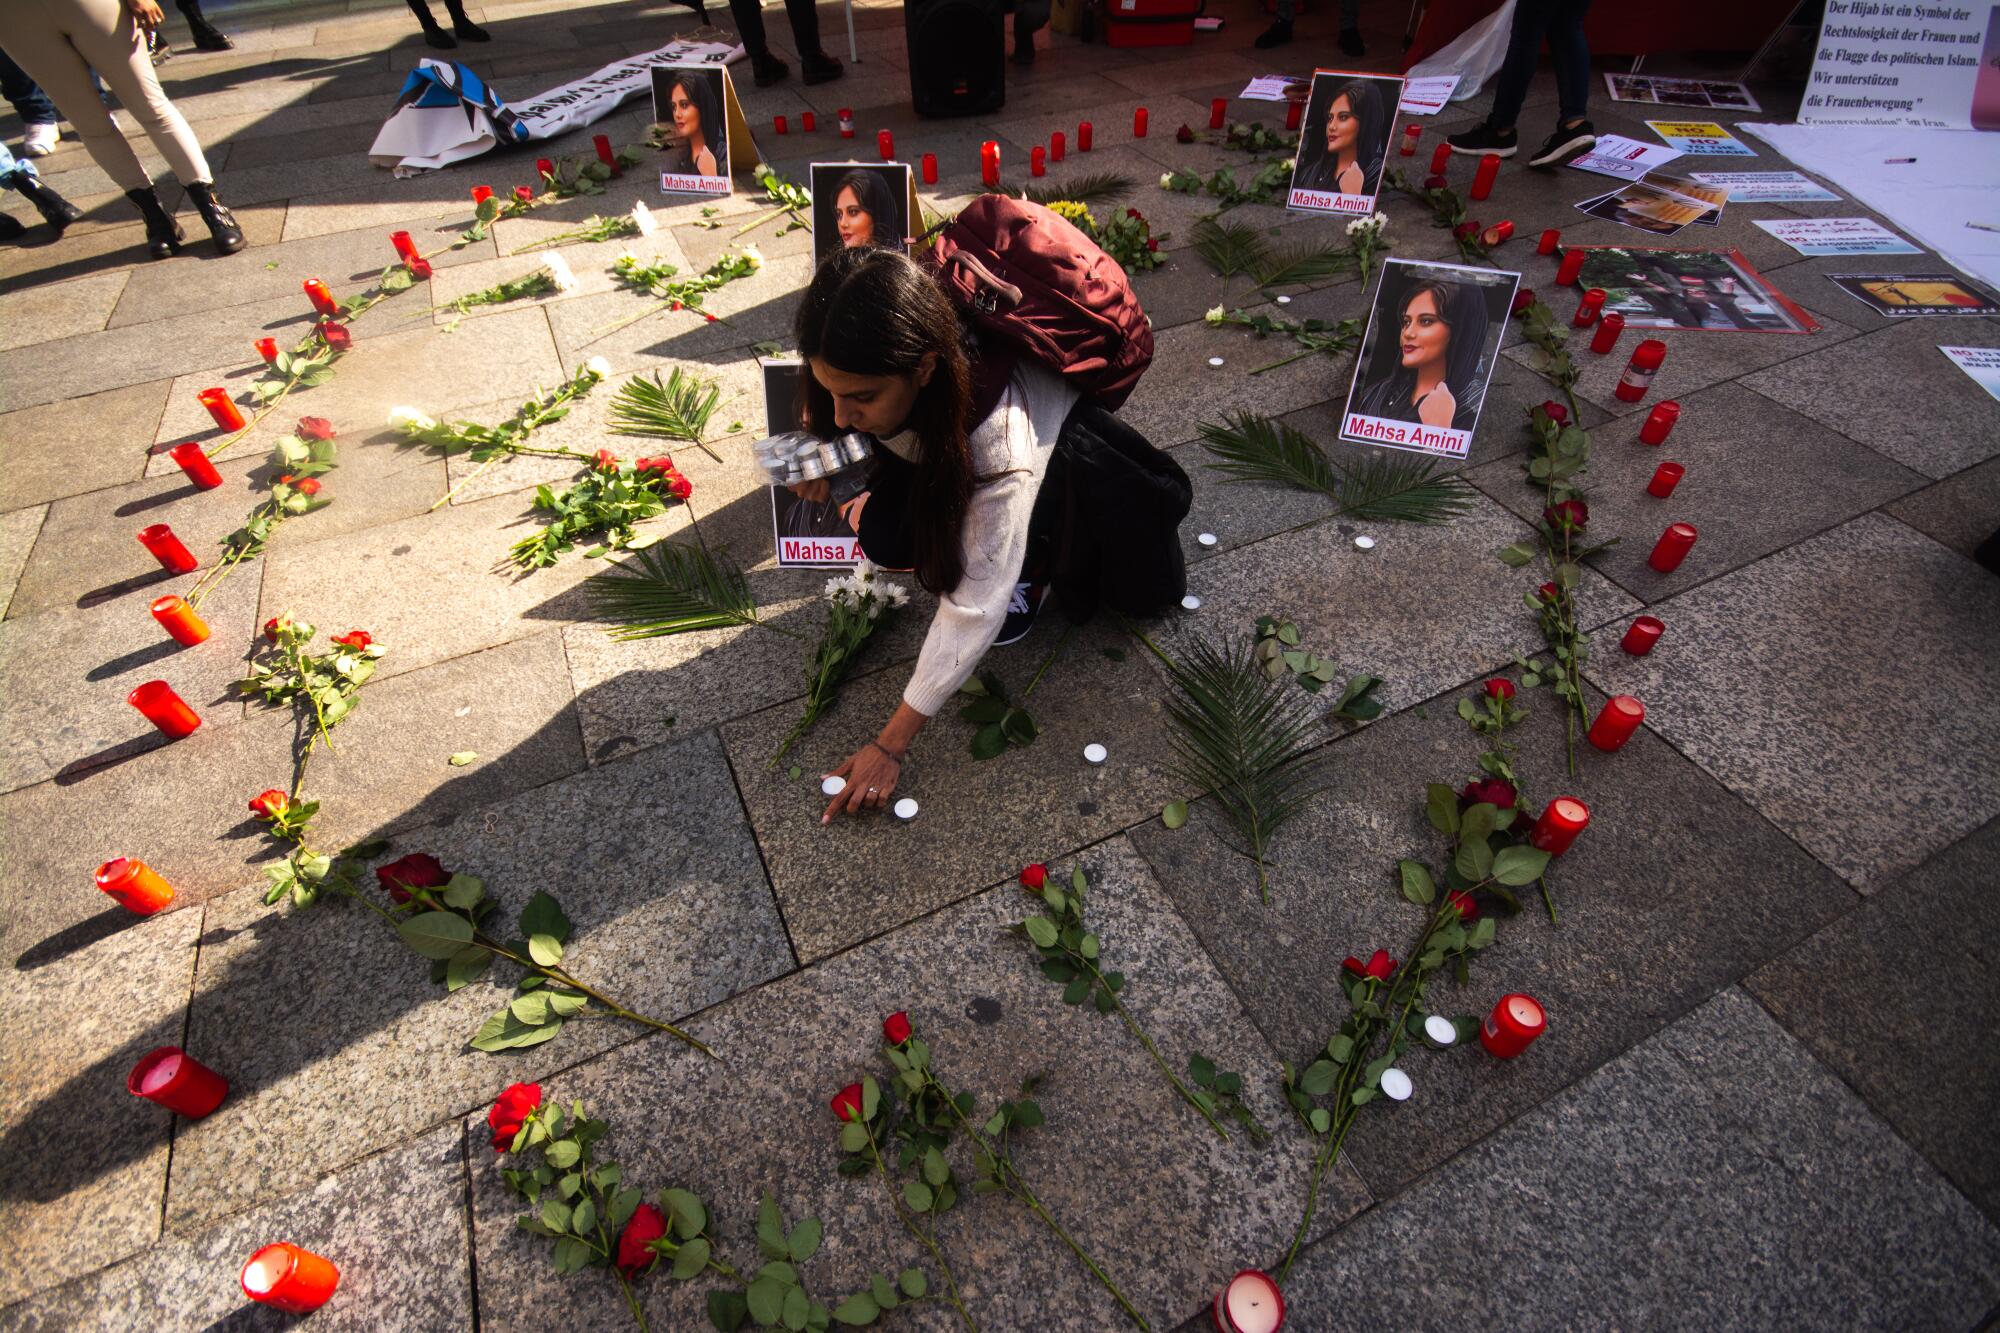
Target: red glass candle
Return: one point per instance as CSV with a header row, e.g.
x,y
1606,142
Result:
x,y
1643,634
1572,264
480,194
1139,123
221,409
136,886
602,143
1440,157
288,1278
173,555
1083,129
778,124
1672,548
1616,721
1295,112
930,168
1058,145
1495,234
1560,823
1587,308
177,618
885,145
322,297
1412,135
1660,422
1515,1022
808,121
846,118
268,349
195,463
1665,477
406,249
989,163
1218,112
1038,163
547,169
1251,1303
1482,179
1607,333
1639,372
1547,245
177,1081
164,709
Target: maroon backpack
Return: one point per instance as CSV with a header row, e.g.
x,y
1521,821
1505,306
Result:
x,y
1028,276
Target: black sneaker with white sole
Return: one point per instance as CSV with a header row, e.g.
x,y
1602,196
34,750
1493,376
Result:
x,y
1022,609
1482,139
1564,143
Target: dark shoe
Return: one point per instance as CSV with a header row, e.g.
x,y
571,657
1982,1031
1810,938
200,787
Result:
x,y
57,211
1564,143
438,37
1025,605
206,35
11,228
767,69
1351,43
818,67
1483,139
1278,34
163,235
221,222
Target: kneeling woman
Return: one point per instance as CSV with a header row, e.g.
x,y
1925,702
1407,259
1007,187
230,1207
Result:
x,y
966,439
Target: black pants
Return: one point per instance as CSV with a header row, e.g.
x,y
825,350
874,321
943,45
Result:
x,y
889,539
749,16
1562,22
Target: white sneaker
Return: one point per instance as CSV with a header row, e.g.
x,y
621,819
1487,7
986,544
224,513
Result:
x,y
40,141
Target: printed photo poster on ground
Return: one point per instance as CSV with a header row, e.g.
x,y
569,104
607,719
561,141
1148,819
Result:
x,y
1837,236
1350,122
1433,337
1930,64
1767,187
696,105
861,203
1703,137
1982,363
1915,295
1689,289
807,533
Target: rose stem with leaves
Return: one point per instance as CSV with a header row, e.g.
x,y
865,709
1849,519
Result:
x,y
871,1093
563,978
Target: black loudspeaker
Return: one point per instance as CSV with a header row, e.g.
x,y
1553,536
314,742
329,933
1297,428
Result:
x,y
958,56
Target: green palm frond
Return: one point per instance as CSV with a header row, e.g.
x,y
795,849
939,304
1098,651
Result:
x,y
1244,738
1099,187
671,588
1257,450
679,409
1304,262
1231,247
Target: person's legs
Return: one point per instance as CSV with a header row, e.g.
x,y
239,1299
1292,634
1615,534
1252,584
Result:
x,y
1524,49
434,35
1570,51
1280,31
206,35
104,34
33,32
765,68
19,174
815,65
29,100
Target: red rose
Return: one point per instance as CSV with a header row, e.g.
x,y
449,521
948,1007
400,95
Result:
x,y
1152,244
481,193
1568,513
847,1103
418,870
896,1028
664,463
1489,791
1499,688
1468,908
511,1109
314,428
635,1253
306,486
1134,213
606,461
1465,229
1555,411
357,639
419,268
1380,966
1522,300
273,625
680,487
524,194
269,804
336,335
1548,592
1183,135
1035,876
1437,182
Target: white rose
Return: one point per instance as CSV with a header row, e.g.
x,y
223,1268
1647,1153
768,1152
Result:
x,y
1166,180
1214,316
754,255
642,217
558,270
408,418
1291,164
598,367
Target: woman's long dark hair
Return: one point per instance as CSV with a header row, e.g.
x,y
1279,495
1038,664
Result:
x,y
872,311
872,192
1462,307
706,94
1366,104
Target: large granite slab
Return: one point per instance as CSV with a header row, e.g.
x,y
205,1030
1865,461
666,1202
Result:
x,y
1713,1176
1187,1209
18,530
1962,512
58,311
1182,390
79,444
1766,678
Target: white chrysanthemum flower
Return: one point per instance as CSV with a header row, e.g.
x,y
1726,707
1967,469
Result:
x,y
408,418
598,367
898,594
1381,221
1291,164
558,270
1214,315
642,217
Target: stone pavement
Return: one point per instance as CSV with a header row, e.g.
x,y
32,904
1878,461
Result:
x,y
1765,1095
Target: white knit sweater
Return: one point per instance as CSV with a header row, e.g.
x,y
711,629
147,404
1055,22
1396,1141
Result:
x,y
1016,439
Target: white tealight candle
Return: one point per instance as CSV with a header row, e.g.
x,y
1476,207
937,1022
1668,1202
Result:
x,y
1095,753
1250,1304
1215,360
832,785
1396,1085
1365,543
1208,539
907,809
1441,1030
1190,603
1284,300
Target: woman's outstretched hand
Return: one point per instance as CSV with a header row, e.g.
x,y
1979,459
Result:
x,y
871,774
146,13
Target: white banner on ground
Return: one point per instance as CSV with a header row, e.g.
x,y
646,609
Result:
x,y
1927,64
595,97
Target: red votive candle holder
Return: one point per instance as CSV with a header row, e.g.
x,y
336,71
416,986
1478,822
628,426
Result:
x,y
808,121
220,408
169,550
778,124
1642,635
406,248
544,167
1139,123
1572,264
287,1278
1295,112
1665,477
885,145
1514,1023
164,709
1587,308
177,1081
1482,179
1495,234
1660,422
1251,1303
177,618
1038,162
1083,131
989,163
136,886
1550,239
1440,158
1639,372
1218,112
602,143
268,349
322,297
846,118
930,168
480,194
194,462
1672,548
1607,333
1564,818
1058,145
1616,721
1412,135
